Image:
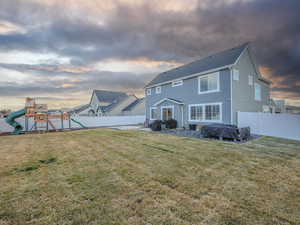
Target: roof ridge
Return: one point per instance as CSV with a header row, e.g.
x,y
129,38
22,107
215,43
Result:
x,y
104,90
213,61
210,56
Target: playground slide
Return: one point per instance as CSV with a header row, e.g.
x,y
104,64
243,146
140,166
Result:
x,y
10,119
75,121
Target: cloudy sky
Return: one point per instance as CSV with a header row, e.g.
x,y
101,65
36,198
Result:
x,y
61,50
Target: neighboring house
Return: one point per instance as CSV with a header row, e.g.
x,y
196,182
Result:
x,y
292,109
111,103
82,110
280,106
135,108
272,106
209,90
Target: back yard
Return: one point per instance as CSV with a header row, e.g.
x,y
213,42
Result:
x,y
129,177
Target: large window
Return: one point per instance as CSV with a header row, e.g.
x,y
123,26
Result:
x,y
196,112
153,113
205,112
167,112
257,92
212,112
209,83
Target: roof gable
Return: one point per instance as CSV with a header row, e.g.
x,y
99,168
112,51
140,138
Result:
x,y
222,59
170,100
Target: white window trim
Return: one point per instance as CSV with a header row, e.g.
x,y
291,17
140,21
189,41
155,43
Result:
x,y
166,107
260,97
179,83
158,88
193,105
204,120
151,116
236,75
250,78
148,91
212,91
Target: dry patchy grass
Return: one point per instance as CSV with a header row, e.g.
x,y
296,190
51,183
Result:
x,y
128,177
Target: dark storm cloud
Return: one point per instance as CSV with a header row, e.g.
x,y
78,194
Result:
x,y
43,82
273,26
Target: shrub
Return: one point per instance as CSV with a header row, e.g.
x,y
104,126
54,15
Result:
x,y
171,124
156,125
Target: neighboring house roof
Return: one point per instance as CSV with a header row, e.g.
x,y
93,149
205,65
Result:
x,y
80,108
109,96
292,107
133,104
219,60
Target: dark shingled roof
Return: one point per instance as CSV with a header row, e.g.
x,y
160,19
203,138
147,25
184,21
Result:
x,y
109,96
80,108
109,107
221,59
133,104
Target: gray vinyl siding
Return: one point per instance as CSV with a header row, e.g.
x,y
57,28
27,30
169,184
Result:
x,y
188,94
243,94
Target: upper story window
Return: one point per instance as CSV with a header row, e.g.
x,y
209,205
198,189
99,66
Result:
x,y
257,96
209,83
148,91
177,83
236,74
250,80
158,90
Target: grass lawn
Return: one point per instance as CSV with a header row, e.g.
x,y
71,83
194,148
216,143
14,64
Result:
x,y
128,177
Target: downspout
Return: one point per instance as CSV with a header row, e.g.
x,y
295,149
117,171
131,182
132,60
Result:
x,y
182,115
231,102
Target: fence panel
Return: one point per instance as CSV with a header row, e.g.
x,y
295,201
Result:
x,y
277,125
89,122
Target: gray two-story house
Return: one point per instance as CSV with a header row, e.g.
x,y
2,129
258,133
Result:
x,y
209,90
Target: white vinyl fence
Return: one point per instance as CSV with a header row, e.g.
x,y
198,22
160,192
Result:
x,y
277,125
89,122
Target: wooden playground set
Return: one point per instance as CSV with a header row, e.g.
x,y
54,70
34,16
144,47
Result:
x,y
40,117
